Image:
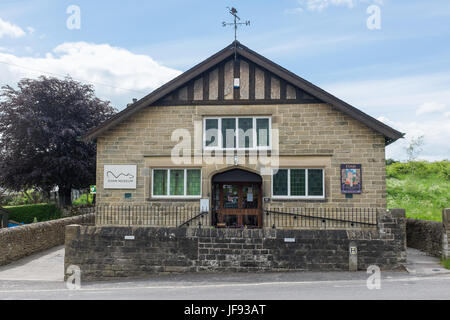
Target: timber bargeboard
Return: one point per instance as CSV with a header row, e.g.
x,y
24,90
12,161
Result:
x,y
267,83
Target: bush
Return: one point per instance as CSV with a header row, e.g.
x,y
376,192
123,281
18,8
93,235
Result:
x,y
421,169
390,161
82,200
397,170
26,214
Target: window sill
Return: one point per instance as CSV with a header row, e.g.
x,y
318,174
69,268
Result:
x,y
298,200
173,199
237,149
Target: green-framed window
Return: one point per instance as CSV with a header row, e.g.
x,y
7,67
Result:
x,y
237,133
173,183
298,183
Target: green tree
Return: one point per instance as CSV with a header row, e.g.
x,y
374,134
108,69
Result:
x,y
40,127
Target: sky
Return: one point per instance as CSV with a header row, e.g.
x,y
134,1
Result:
x,y
389,58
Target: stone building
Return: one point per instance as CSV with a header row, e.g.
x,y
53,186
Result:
x,y
239,134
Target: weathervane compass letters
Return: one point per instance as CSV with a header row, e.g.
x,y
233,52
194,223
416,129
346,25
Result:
x,y
234,12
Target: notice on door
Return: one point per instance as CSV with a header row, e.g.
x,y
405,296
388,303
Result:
x,y
120,177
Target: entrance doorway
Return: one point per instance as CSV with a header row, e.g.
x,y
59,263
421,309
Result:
x,y
237,199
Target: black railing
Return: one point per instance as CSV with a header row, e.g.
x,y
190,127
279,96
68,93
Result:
x,y
282,218
320,218
150,216
199,220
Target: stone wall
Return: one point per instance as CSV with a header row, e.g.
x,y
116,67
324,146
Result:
x,y
103,253
425,236
19,242
431,237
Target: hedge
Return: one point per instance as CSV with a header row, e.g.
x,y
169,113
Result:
x,y
27,213
419,169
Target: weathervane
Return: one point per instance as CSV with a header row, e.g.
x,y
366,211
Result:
x,y
234,12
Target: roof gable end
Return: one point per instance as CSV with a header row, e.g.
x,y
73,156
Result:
x,y
261,82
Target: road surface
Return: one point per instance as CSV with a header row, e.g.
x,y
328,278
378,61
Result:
x,y
40,277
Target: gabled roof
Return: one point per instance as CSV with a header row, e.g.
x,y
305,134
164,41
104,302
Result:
x,y
390,134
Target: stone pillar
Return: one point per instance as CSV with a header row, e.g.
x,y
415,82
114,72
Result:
x,y
353,257
446,233
71,235
3,219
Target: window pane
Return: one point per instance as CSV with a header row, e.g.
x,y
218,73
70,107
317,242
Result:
x,y
250,196
177,182
280,183
212,132
229,132
230,196
298,185
160,182
193,182
315,182
262,132
245,132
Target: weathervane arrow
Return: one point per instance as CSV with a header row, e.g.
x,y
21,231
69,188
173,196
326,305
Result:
x,y
236,24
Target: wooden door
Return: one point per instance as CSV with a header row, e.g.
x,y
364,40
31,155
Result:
x,y
240,205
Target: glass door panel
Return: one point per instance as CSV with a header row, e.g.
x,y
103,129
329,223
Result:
x,y
230,196
250,196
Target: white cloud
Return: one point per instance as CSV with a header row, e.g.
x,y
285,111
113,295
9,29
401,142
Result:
x,y
436,138
399,94
395,101
10,30
319,5
30,30
430,107
4,49
117,74
293,11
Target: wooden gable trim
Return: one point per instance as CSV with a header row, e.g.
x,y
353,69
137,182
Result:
x,y
160,93
306,92
321,94
237,75
221,82
251,81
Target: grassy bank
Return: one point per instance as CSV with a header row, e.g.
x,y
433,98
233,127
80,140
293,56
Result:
x,y
422,188
446,263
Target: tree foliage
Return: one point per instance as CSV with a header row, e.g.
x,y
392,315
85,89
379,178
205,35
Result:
x,y
415,148
41,123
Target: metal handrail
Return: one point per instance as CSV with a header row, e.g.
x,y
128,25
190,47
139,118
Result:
x,y
317,217
201,214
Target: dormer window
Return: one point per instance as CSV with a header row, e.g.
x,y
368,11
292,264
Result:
x,y
243,133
